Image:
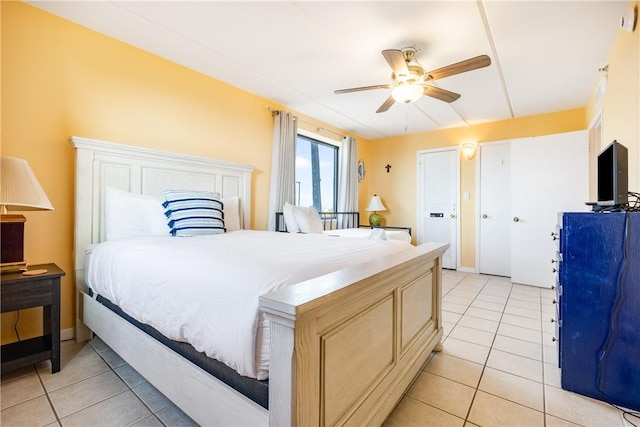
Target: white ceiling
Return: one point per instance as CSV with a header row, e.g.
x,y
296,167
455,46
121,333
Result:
x,y
545,54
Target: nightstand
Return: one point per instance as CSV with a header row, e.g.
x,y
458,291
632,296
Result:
x,y
20,292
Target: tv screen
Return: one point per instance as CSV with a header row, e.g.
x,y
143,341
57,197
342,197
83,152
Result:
x,y
613,175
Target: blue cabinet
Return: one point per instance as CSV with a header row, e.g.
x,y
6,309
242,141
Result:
x,y
598,296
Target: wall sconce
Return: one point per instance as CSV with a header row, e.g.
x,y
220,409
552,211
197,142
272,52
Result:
x,y
468,150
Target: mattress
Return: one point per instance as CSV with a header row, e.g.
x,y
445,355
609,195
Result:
x,y
204,290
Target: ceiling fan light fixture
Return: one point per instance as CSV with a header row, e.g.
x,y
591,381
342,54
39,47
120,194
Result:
x,y
407,93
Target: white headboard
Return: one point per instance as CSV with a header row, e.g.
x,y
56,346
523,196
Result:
x,y
144,171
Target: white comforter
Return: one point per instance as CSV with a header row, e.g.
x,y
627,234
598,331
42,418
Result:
x,y
204,290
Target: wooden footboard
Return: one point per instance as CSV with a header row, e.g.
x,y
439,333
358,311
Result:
x,y
345,346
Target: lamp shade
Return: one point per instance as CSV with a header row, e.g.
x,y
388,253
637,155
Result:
x,y
19,187
375,204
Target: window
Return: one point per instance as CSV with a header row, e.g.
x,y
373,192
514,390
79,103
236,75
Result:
x,y
316,174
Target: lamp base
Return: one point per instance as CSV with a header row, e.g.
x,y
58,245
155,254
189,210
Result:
x,y
12,247
375,220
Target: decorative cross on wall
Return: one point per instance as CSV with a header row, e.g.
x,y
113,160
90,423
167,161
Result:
x,y
388,167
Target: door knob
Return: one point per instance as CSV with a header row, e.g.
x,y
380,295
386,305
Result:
x,y
484,216
452,215
516,219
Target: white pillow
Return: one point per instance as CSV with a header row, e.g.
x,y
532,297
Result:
x,y
308,219
288,211
128,215
231,209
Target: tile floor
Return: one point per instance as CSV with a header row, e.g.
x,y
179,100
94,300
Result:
x,y
498,368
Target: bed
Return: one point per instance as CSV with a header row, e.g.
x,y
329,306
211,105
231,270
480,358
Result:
x,y
344,346
345,224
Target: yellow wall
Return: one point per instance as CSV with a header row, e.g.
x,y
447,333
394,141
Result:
x,y
60,79
398,187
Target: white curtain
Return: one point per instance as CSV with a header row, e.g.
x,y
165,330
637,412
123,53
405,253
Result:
x,y
348,180
283,164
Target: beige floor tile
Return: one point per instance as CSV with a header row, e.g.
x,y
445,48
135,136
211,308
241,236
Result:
x,y
492,298
520,333
523,322
519,347
456,369
150,421
494,306
442,393
15,373
83,394
489,410
552,421
517,311
20,389
472,335
478,323
76,369
412,413
516,365
552,375
450,317
466,350
514,388
121,410
447,328
173,416
457,300
34,412
454,308
580,409
526,304
151,397
462,292
71,349
481,313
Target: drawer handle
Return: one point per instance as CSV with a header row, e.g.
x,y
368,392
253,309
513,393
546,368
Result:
x,y
554,236
554,339
553,261
516,219
553,320
485,216
553,270
554,302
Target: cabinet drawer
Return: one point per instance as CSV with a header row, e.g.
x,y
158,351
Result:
x,y
16,296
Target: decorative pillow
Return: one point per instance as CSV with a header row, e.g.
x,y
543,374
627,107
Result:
x,y
231,211
194,213
288,211
308,219
128,215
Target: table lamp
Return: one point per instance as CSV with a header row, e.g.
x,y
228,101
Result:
x,y
19,191
375,205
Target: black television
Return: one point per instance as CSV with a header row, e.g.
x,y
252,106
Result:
x,y
613,175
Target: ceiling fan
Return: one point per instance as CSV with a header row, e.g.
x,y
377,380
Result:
x,y
410,82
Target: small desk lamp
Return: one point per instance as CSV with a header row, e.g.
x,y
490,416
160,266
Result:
x,y
375,205
19,191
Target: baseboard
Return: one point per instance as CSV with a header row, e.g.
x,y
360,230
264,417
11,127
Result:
x,y
67,334
467,270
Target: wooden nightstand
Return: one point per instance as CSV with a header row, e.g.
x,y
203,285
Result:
x,y
19,292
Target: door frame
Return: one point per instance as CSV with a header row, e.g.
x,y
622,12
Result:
x,y
419,195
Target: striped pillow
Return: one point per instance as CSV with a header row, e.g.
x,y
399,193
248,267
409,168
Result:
x,y
192,213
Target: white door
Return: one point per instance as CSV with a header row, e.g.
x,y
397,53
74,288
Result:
x,y
437,201
495,209
549,175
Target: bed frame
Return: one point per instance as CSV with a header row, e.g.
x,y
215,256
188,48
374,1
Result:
x,y
330,220
344,346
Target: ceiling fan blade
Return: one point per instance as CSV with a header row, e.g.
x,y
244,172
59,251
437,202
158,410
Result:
x,y
358,89
441,94
396,61
386,105
460,67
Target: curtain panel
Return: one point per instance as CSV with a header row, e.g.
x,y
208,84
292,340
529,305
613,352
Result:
x,y
283,164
